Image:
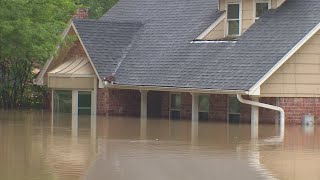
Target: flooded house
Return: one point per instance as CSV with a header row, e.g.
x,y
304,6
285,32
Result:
x,y
233,61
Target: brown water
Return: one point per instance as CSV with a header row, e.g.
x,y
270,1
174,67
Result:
x,y
37,145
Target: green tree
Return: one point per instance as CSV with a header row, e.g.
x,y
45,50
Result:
x,y
29,33
97,7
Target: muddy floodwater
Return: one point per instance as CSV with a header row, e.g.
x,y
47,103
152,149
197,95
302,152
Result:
x,y
37,145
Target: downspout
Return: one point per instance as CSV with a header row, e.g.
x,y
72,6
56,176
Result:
x,y
267,106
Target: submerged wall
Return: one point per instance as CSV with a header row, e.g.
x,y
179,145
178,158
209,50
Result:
x,y
296,108
115,102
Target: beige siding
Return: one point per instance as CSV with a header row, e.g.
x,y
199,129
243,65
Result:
x,y
280,2
247,16
217,32
299,76
71,83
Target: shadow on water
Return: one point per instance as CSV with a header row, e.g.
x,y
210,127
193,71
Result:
x,y
41,145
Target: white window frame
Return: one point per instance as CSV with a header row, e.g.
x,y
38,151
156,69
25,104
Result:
x,y
170,99
227,2
199,110
228,109
208,104
255,7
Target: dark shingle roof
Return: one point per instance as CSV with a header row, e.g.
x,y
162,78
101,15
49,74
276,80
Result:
x,y
107,42
161,54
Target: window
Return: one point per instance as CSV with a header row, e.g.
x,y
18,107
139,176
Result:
x,y
62,101
262,6
233,109
84,102
175,106
204,107
233,19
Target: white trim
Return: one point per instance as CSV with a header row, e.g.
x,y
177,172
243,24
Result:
x,y
90,60
170,99
227,2
228,108
208,96
175,89
39,79
71,75
75,96
94,98
284,59
212,26
212,42
267,106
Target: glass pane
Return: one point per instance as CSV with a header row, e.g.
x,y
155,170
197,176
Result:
x,y
62,101
234,105
175,115
233,28
233,11
204,103
175,101
234,118
84,102
203,116
261,8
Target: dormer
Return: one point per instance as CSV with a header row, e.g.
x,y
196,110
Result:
x,y
237,17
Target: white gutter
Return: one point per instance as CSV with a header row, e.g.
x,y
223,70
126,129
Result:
x,y
267,106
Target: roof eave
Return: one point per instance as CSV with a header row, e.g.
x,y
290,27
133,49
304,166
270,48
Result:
x,y
176,89
256,87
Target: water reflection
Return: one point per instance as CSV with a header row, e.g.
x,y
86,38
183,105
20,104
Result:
x,y
39,145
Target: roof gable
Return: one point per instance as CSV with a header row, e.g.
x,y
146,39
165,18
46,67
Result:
x,y
159,52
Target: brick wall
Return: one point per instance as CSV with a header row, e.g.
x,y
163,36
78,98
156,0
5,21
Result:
x,y
165,99
267,115
127,103
218,106
102,101
186,106
76,50
118,102
295,108
81,13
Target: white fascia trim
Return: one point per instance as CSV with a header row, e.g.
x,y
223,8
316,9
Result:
x,y
254,88
94,68
176,89
255,7
39,79
72,75
211,27
226,24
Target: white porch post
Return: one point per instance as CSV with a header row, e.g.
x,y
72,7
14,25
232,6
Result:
x,y
94,98
74,126
75,102
195,107
143,114
52,101
144,103
255,119
195,118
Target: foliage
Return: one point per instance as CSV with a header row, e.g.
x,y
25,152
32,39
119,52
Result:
x,y
97,7
29,33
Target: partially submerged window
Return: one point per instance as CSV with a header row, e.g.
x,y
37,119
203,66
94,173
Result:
x,y
204,107
262,6
233,109
233,19
84,102
175,106
62,101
